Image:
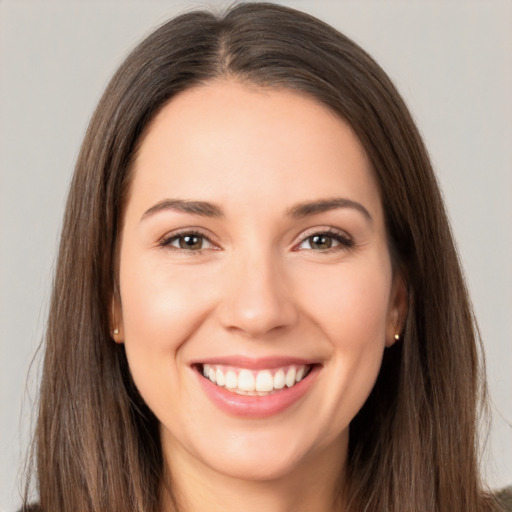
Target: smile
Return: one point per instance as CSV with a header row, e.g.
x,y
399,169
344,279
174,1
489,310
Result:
x,y
247,382
256,388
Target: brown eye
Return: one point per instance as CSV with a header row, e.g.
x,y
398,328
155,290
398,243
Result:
x,y
326,241
190,242
320,242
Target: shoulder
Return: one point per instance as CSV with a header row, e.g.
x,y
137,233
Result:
x,y
504,498
30,508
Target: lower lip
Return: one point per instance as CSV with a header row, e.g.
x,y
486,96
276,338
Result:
x,y
257,406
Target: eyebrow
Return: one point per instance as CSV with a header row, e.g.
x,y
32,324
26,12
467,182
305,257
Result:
x,y
201,208
325,205
206,209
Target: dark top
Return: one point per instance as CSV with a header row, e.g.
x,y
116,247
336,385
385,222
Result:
x,y
504,498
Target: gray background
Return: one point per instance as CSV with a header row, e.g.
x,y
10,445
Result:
x,y
450,59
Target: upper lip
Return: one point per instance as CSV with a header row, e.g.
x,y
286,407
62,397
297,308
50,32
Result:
x,y
260,363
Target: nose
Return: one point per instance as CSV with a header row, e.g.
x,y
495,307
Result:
x,y
258,299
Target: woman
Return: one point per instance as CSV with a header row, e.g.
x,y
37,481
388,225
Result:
x,y
258,303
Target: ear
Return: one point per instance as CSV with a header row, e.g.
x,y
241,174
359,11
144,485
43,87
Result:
x,y
116,321
398,308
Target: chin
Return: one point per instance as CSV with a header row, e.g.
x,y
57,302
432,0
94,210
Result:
x,y
259,468
264,455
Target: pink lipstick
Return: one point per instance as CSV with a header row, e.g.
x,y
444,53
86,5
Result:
x,y
255,388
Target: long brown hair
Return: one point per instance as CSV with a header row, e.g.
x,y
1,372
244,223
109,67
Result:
x,y
413,445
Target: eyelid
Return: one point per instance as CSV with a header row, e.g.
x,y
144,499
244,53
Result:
x,y
345,241
166,240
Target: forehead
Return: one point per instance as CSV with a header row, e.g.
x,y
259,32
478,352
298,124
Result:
x,y
231,140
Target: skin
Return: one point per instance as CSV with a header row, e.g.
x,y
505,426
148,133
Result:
x,y
258,287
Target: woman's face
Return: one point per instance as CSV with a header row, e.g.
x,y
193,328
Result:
x,y
253,251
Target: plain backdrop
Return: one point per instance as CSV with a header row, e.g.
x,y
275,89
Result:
x,y
452,61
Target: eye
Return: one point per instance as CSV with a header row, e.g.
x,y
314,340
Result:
x,y
189,241
325,241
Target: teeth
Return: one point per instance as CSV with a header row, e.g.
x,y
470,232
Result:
x,y
264,381
279,380
231,380
248,382
289,379
219,378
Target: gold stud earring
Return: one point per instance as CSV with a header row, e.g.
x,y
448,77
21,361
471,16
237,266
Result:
x,y
397,337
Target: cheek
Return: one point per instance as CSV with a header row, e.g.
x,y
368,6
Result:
x,y
161,304
351,304
352,312
161,308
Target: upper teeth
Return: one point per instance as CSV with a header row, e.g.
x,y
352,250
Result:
x,y
247,382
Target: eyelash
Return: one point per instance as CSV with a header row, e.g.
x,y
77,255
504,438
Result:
x,y
168,240
343,240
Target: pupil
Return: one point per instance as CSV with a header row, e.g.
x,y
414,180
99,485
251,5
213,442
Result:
x,y
321,242
190,242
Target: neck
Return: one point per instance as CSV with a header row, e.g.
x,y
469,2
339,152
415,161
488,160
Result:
x,y
313,485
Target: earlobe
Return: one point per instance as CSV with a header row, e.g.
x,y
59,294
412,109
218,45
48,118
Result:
x,y
398,311
393,337
116,322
